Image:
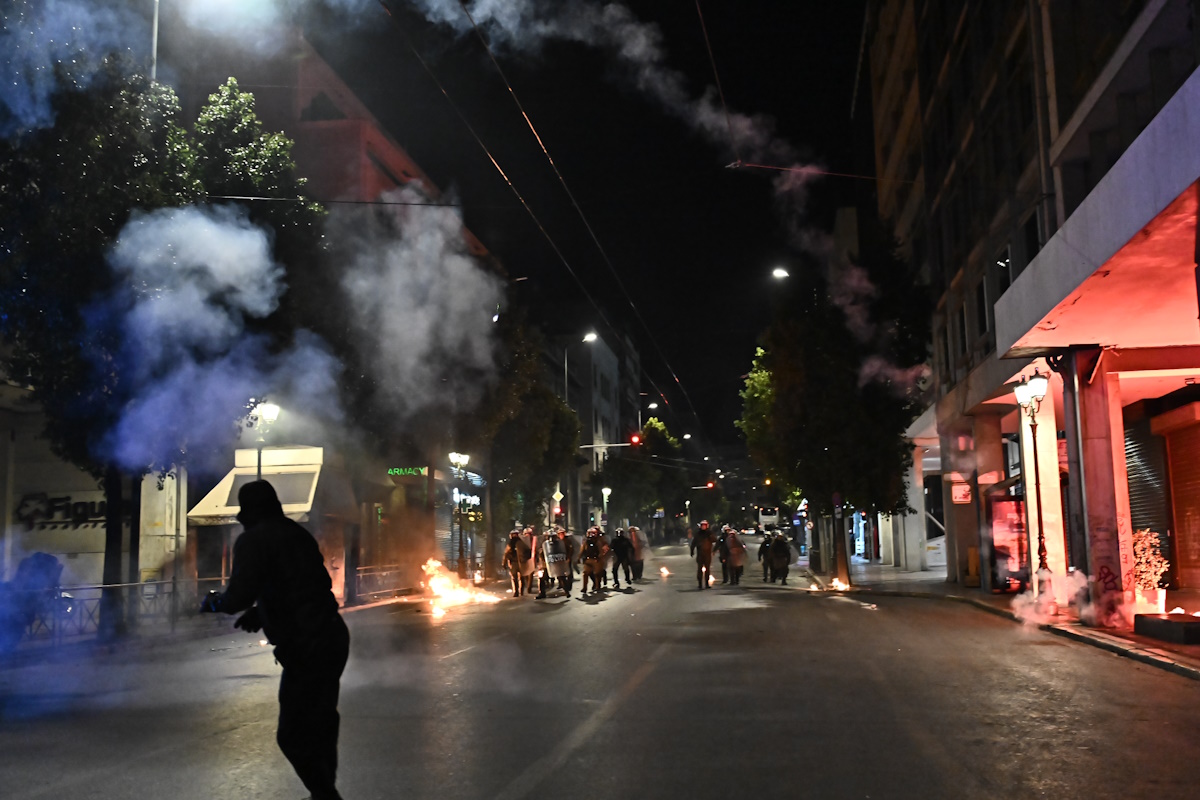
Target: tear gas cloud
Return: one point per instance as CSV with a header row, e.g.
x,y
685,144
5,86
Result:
x,y
38,37
192,277
422,306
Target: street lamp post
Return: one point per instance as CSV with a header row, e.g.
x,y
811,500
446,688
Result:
x,y
588,338
264,415
460,461
606,492
1030,393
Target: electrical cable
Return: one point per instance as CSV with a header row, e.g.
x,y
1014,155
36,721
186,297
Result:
x,y
583,217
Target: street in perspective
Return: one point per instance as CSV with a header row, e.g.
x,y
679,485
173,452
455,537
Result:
x,y
613,398
659,690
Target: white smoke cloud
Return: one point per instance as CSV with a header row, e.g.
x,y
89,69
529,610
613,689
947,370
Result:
x,y
38,37
423,306
192,278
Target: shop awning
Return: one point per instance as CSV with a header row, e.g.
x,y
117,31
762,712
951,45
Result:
x,y
300,479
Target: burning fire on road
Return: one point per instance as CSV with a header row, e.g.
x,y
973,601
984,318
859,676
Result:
x,y
448,591
664,571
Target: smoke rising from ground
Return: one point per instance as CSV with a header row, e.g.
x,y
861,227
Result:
x,y
422,306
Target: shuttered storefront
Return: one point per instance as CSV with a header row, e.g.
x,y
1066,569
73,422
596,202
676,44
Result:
x,y
1149,485
1183,455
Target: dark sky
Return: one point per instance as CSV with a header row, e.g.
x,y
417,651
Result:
x,y
692,241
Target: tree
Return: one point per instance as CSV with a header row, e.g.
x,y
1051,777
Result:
x,y
66,193
832,388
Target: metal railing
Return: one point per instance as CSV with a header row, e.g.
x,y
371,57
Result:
x,y
73,612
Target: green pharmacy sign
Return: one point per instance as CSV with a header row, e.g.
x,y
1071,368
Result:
x,y
408,471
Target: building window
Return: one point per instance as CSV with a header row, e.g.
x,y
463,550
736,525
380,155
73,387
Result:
x,y
981,306
964,344
1004,269
1032,239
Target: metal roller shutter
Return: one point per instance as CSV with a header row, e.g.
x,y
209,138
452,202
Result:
x,y
1183,451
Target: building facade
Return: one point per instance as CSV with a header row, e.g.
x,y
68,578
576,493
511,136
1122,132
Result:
x,y
1036,158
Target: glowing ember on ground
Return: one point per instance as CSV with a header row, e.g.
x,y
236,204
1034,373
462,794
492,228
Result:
x,y
711,580
449,590
814,588
664,571
1177,610
478,577
839,586
262,642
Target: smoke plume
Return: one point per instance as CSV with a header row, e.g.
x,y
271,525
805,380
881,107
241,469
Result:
x,y
423,308
191,279
44,40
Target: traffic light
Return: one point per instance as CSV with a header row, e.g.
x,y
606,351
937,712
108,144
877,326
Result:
x,y
635,439
709,485
557,511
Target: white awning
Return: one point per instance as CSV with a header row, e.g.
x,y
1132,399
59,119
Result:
x,y
294,472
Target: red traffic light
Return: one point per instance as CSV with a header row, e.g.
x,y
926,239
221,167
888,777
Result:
x,y
557,511
710,484
635,439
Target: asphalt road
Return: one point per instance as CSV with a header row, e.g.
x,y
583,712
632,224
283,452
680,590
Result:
x,y
662,691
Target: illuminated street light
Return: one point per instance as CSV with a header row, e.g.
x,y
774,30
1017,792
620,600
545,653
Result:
x,y
589,337
687,436
261,418
779,273
652,406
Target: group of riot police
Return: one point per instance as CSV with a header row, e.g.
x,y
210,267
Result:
x,y
775,553
554,558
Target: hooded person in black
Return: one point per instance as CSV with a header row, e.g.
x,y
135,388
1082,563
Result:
x,y
279,580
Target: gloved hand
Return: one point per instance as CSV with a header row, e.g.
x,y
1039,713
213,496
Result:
x,y
249,622
211,602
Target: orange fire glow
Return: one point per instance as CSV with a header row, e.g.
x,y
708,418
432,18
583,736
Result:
x,y
1177,610
839,586
478,577
664,571
449,591
711,579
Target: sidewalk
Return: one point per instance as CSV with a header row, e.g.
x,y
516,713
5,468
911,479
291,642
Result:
x,y
871,578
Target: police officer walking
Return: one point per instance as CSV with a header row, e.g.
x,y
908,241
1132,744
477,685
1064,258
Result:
x,y
595,551
702,550
556,564
622,555
279,580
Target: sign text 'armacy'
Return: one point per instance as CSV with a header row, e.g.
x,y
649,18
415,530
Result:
x,y
408,471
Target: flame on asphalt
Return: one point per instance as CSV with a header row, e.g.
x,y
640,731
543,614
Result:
x,y
449,591
839,586
664,571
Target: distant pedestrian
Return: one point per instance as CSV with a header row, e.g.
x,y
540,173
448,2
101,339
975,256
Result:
x,y
638,539
781,557
622,558
737,556
764,555
702,550
723,553
279,580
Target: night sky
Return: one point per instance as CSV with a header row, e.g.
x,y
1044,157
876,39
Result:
x,y
692,241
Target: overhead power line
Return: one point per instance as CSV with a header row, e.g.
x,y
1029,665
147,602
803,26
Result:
x,y
582,216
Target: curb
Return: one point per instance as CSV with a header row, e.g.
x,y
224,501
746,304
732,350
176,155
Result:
x,y
1159,659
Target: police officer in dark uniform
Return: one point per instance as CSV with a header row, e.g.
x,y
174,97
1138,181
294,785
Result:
x,y
279,580
622,553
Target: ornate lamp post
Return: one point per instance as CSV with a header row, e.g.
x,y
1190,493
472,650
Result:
x,y
606,492
263,416
1030,393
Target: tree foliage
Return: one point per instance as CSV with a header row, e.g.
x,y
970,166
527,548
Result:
x,y
815,417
